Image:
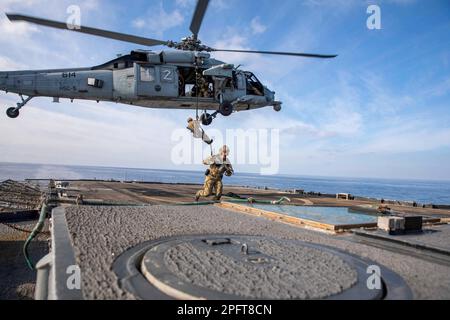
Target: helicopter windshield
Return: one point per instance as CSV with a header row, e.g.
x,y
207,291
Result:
x,y
254,86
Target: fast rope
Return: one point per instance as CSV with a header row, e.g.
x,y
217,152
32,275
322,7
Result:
x,y
252,200
237,200
196,91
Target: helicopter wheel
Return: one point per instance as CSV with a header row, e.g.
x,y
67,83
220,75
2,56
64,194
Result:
x,y
12,113
226,109
206,119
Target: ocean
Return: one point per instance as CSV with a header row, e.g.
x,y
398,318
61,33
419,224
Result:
x,y
421,191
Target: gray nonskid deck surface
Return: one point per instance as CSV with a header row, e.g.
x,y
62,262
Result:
x,y
436,237
101,234
17,281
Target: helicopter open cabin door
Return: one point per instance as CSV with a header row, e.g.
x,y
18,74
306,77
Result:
x,y
156,81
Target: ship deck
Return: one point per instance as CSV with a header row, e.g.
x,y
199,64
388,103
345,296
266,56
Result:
x,y
99,234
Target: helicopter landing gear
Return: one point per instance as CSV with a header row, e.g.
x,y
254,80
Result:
x,y
206,119
226,109
14,112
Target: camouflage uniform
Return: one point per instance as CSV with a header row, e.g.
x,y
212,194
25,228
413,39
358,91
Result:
x,y
217,168
203,86
195,128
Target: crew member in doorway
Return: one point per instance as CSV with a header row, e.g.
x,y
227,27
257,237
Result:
x,y
218,166
202,86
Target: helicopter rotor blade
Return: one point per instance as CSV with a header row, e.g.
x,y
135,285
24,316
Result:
x,y
87,30
306,55
199,14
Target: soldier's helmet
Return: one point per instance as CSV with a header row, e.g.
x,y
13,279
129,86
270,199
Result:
x,y
224,150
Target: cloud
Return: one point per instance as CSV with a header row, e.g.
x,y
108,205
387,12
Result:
x,y
266,67
234,40
401,2
12,31
338,115
220,4
41,47
90,5
382,100
343,121
302,129
400,140
439,90
185,3
214,5
407,134
158,20
97,134
9,64
6,5
335,123
257,26
340,4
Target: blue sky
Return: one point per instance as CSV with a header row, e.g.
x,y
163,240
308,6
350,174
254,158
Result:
x,y
381,109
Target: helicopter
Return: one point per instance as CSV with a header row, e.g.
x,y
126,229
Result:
x,y
185,77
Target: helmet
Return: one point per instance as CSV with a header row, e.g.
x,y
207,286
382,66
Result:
x,y
224,150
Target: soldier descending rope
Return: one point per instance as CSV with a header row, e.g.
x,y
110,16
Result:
x,y
218,166
195,128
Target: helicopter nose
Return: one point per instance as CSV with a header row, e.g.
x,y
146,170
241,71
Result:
x,y
269,94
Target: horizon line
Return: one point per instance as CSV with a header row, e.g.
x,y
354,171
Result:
x,y
250,173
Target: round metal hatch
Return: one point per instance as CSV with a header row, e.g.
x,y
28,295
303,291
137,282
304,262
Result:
x,y
248,267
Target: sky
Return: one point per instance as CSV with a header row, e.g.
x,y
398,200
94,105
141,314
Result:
x,y
380,109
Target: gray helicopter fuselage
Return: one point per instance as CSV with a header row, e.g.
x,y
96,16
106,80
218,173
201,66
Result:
x,y
147,79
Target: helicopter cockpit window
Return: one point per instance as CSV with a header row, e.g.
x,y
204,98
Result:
x,y
254,86
147,74
229,83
